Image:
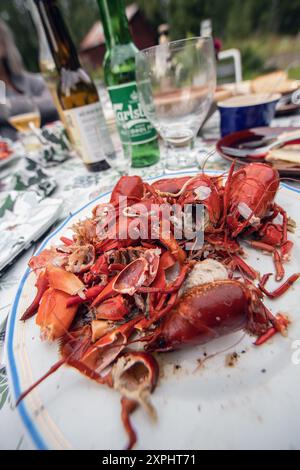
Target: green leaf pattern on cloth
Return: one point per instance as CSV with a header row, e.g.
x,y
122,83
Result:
x,y
7,205
4,390
34,177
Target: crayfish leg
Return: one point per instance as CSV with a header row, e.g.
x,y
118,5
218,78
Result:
x,y
280,290
128,407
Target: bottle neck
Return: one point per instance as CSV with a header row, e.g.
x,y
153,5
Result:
x,y
44,50
62,47
114,22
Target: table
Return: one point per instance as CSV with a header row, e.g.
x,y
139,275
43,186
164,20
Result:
x,y
76,186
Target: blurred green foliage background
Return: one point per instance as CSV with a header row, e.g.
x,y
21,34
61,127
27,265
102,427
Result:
x,y
266,31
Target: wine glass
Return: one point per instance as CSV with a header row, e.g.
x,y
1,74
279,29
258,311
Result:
x,y
25,117
176,83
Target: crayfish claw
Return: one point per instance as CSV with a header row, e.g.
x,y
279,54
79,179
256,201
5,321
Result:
x,y
135,375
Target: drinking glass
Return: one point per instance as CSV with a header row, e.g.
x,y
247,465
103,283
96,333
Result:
x,y
121,160
24,116
176,83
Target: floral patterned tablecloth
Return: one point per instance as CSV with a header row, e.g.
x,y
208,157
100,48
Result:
x,y
75,186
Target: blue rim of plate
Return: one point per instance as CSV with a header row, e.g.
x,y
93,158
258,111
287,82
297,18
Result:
x,y
11,365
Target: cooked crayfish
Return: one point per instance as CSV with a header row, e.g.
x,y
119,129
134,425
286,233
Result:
x,y
107,287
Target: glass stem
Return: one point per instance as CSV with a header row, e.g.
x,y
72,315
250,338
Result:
x,y
180,155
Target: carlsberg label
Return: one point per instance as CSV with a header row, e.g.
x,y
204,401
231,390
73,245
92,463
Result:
x,y
128,110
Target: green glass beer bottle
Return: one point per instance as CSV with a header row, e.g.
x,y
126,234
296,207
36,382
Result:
x,y
119,75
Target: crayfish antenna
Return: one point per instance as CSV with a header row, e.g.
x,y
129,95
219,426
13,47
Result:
x,y
128,407
33,386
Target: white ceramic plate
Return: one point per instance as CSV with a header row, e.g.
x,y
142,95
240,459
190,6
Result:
x,y
253,405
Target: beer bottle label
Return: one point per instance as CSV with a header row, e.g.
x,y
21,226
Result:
x,y
84,125
128,109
